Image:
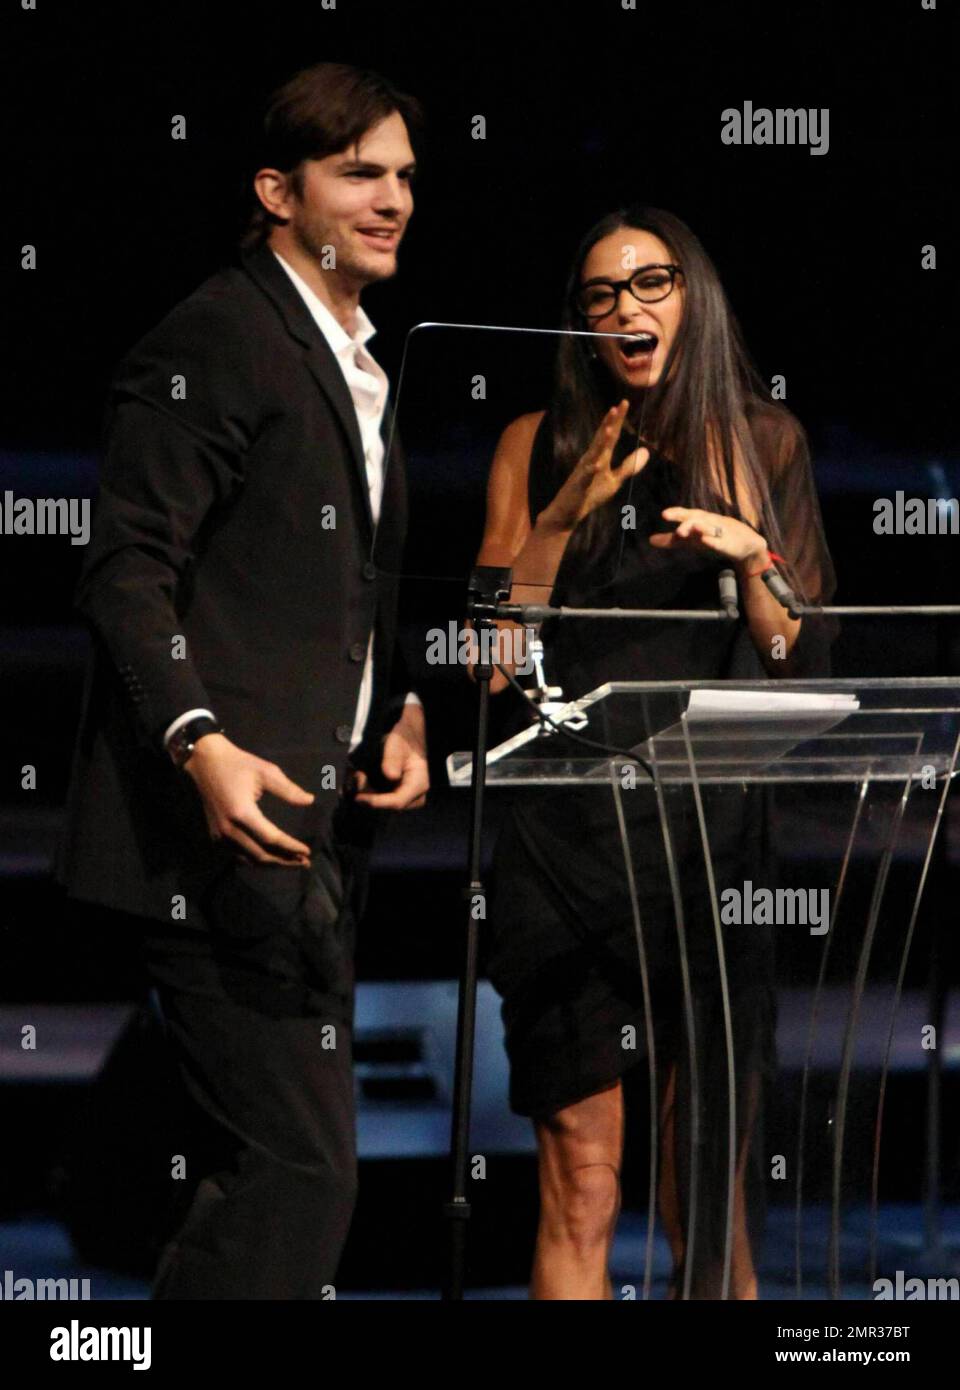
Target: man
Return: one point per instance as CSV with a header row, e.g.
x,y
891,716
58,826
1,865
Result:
x,y
240,585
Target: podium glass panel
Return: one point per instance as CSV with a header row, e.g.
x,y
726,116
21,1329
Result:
x,y
863,769
758,730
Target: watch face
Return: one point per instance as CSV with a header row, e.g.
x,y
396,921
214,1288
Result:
x,y
182,747
186,738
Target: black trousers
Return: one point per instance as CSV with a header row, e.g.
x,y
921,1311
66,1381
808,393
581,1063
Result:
x,y
257,1001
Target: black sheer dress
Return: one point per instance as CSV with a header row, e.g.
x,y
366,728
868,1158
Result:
x,y
562,943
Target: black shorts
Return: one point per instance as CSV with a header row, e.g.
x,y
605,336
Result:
x,y
568,969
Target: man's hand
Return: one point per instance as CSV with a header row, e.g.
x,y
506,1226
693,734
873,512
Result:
x,y
230,783
405,762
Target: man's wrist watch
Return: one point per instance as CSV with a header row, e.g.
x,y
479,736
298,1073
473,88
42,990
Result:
x,y
184,740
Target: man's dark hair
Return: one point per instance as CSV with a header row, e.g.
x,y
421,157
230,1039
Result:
x,y
321,111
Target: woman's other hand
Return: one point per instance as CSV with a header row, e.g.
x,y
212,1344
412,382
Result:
x,y
593,481
722,535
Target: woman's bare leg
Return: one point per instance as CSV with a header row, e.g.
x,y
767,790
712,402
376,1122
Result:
x,y
743,1278
580,1153
668,1198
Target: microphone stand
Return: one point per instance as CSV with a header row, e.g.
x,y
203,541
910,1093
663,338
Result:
x,y
488,589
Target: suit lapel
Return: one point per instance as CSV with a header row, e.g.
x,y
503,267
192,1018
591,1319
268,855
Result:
x,y
276,284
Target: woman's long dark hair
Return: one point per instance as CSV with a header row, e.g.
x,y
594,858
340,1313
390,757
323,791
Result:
x,y
702,393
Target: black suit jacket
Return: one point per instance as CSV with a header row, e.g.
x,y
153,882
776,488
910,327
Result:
x,y
232,565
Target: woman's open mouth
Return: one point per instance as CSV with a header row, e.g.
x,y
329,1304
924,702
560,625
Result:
x,y
637,349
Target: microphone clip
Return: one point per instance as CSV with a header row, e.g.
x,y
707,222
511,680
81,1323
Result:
x,y
548,699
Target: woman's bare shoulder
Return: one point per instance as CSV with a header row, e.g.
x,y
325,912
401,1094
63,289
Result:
x,y
511,462
508,516
519,435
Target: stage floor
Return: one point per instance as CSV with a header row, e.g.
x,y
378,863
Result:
x,y
39,1247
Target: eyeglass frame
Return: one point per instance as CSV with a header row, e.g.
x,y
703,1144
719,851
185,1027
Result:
x,y
618,286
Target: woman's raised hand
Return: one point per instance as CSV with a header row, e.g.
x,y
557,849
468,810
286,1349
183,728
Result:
x,y
593,481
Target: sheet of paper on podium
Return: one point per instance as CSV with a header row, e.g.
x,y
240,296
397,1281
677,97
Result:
x,y
750,726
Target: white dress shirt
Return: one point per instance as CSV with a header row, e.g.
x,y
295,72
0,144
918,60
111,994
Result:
x,y
368,386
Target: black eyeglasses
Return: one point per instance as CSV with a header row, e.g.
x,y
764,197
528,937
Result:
x,y
597,298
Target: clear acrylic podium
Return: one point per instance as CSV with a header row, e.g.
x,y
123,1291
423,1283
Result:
x,y
860,772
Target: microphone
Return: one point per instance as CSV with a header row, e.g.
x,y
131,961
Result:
x,y
779,588
728,593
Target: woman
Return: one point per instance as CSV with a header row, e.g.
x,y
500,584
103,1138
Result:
x,y
667,424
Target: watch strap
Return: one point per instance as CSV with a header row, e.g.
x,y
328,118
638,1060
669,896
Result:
x,y
184,739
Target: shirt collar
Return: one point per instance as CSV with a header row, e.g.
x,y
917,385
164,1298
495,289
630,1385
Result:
x,y
336,335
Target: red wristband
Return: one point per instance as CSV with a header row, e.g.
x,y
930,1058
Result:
x,y
771,556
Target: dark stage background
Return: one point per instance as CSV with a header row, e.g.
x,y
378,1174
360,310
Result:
x,y
587,106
